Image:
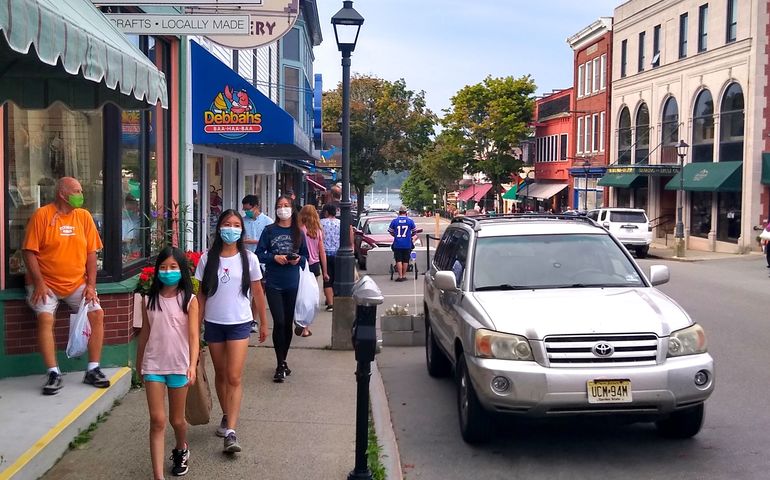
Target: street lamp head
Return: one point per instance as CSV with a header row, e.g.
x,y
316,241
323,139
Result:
x,y
682,148
586,166
347,23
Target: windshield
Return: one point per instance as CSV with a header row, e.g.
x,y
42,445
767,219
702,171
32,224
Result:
x,y
378,228
628,217
551,261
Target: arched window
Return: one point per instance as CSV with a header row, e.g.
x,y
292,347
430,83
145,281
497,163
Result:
x,y
624,137
670,131
731,125
703,128
642,150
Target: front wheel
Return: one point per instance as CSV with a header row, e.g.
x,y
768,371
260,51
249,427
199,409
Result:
x,y
475,422
683,423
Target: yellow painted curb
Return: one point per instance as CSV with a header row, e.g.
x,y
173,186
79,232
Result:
x,y
59,427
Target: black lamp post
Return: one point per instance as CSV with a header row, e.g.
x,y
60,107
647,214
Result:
x,y
347,23
681,151
586,170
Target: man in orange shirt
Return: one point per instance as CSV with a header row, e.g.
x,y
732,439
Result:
x,y
60,253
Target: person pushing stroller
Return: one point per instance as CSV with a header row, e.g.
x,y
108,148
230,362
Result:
x,y
402,229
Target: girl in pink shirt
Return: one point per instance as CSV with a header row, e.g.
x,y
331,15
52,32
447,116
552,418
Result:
x,y
167,355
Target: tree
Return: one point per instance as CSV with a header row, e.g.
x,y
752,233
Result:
x,y
438,169
390,126
489,120
418,190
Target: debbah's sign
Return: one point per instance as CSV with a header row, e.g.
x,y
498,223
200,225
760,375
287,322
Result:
x,y
228,109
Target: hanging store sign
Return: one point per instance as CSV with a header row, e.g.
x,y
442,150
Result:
x,y
651,170
151,24
270,20
179,3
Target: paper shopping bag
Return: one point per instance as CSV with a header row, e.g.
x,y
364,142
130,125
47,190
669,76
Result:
x,y
198,405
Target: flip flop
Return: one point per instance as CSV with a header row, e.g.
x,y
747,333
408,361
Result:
x,y
298,329
307,334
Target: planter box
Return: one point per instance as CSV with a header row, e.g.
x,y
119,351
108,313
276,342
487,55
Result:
x,y
402,330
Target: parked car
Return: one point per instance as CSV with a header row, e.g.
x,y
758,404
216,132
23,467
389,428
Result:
x,y
548,315
374,233
629,225
362,218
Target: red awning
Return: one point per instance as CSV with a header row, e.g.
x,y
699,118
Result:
x,y
315,184
476,192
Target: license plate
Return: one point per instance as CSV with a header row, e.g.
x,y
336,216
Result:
x,y
609,391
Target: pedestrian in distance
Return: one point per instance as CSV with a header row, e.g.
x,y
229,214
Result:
x,y
167,355
766,243
283,250
230,298
59,251
254,221
402,229
330,225
314,239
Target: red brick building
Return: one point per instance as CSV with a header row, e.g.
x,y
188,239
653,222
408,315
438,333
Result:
x,y
552,142
589,153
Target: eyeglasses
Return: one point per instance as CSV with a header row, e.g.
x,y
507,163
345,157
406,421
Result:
x,y
225,276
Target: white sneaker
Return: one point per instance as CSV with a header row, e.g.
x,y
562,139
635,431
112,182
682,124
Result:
x,y
254,329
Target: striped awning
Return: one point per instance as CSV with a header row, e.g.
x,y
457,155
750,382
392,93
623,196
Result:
x,y
49,47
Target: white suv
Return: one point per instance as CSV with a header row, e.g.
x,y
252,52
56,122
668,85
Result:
x,y
548,315
629,225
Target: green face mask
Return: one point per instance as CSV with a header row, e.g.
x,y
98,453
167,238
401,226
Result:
x,y
76,200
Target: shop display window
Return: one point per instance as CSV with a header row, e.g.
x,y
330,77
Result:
x,y
700,213
729,216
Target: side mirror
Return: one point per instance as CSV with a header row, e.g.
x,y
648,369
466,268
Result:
x,y
445,280
659,274
357,231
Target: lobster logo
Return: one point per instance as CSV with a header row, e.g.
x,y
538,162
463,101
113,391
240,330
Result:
x,y
232,115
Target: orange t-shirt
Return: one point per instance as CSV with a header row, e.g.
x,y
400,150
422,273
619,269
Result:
x,y
62,243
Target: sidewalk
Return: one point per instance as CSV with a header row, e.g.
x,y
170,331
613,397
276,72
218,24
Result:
x,y
667,253
303,428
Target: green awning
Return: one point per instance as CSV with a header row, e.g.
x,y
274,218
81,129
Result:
x,y
51,50
766,168
511,193
623,180
709,177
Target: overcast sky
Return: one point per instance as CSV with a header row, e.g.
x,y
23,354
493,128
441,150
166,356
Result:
x,y
440,46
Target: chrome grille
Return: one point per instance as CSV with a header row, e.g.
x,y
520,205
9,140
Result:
x,y
578,350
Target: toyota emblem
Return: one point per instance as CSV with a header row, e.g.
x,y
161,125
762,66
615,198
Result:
x,y
603,349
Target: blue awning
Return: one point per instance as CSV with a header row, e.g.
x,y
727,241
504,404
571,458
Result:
x,y
228,112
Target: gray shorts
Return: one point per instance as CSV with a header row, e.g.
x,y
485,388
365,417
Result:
x,y
51,302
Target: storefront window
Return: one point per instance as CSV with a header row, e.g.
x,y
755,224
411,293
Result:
x,y
640,198
132,232
731,125
291,89
198,243
703,128
700,213
214,166
624,137
642,149
670,132
729,216
43,146
623,197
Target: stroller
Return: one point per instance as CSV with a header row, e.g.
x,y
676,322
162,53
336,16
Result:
x,y
412,267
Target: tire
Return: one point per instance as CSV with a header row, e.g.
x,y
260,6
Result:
x,y
361,262
437,363
641,252
683,423
475,421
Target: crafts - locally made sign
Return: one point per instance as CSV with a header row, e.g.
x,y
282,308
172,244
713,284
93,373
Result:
x,y
152,24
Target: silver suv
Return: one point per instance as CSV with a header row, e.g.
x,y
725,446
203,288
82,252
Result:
x,y
548,315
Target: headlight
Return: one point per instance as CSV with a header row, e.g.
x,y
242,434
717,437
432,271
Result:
x,y
687,341
502,346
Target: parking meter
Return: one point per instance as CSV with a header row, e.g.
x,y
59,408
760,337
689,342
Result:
x,y
367,295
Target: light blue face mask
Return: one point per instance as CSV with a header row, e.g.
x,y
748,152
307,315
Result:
x,y
230,234
170,277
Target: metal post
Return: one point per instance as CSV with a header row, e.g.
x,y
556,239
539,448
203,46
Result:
x,y
679,233
585,200
345,260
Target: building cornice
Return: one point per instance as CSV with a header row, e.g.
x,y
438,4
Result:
x,y
590,34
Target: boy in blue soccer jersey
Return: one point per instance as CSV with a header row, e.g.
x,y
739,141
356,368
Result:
x,y
402,228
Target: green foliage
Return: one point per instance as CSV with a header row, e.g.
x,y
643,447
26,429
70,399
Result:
x,y
84,436
390,126
417,191
489,120
373,454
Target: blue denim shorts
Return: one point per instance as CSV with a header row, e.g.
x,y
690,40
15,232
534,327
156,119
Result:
x,y
172,380
217,333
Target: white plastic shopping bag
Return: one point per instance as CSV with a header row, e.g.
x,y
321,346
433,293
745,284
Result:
x,y
307,297
80,332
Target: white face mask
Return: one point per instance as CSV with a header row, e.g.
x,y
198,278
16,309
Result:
x,y
284,213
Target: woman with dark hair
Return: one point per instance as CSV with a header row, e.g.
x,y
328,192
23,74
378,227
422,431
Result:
x,y
229,277
283,250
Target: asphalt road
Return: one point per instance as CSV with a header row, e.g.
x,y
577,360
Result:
x,y
729,298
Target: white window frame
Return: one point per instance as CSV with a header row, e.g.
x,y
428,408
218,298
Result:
x,y
587,133
580,81
594,131
596,75
580,135
604,71
601,131
589,78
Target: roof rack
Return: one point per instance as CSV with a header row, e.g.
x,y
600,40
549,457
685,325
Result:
x,y
475,221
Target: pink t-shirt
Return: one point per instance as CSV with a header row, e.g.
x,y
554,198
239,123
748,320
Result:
x,y
313,246
168,347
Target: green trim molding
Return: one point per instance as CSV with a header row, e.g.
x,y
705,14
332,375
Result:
x,y
126,286
623,180
765,168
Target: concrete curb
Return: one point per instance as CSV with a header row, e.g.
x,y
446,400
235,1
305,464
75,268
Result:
x,y
386,436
